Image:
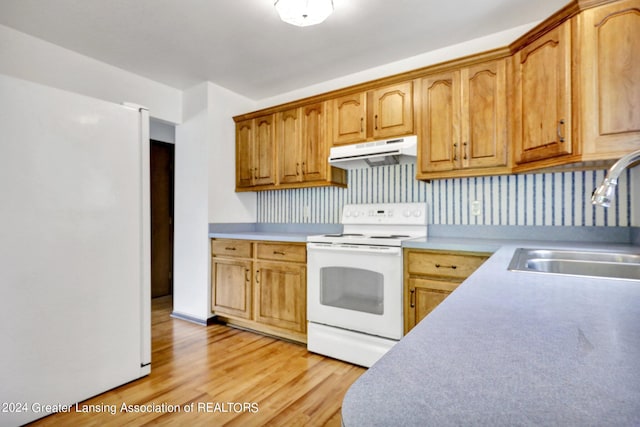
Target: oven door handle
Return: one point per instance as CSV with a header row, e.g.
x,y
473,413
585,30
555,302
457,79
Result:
x,y
380,250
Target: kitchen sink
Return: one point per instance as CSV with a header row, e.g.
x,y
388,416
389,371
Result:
x,y
613,265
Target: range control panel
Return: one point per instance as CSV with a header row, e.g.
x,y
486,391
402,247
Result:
x,y
385,213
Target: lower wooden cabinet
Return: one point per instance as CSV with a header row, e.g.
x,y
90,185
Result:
x,y
429,278
280,295
231,287
260,286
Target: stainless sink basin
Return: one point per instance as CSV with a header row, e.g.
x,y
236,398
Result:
x,y
613,265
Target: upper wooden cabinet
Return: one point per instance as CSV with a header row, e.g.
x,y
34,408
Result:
x,y
440,119
392,110
286,149
289,145
609,79
349,114
567,91
303,150
542,88
380,113
255,152
464,122
314,147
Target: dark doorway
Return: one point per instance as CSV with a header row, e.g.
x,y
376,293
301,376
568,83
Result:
x,y
161,165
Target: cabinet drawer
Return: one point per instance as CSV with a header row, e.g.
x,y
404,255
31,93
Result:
x,y
439,264
282,252
231,248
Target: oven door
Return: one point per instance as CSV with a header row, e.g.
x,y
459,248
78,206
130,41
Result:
x,y
355,287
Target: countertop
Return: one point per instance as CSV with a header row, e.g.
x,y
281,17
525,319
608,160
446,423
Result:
x,y
512,348
273,232
506,348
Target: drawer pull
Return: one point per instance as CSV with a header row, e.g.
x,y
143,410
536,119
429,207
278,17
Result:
x,y
446,266
278,253
229,249
257,276
413,298
246,275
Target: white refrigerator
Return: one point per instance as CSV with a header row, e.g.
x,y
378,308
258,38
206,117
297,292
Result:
x,y
74,248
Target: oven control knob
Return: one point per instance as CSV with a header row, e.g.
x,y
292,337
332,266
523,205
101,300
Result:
x,y
417,213
355,214
347,213
407,213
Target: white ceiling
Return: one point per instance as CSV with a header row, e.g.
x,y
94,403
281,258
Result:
x,y
242,44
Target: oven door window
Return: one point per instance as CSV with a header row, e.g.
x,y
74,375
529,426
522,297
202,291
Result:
x,y
352,289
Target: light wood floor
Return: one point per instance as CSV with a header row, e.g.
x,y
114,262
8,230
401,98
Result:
x,y
281,382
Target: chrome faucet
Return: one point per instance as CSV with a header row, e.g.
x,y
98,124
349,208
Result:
x,y
603,195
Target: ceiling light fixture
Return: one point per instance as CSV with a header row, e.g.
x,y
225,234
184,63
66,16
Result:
x,y
304,12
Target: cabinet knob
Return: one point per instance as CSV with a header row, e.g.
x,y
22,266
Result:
x,y
361,124
376,122
257,276
413,298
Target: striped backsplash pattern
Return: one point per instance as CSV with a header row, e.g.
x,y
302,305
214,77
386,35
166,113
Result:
x,y
559,198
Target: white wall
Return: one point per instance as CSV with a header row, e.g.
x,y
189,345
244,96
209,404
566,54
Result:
x,y
191,251
225,205
29,58
204,190
492,41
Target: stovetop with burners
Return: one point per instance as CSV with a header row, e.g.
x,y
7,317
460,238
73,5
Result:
x,y
385,224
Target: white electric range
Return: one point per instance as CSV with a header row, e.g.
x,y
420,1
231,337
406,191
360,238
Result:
x,y
354,281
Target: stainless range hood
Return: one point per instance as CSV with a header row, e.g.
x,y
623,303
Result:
x,y
375,153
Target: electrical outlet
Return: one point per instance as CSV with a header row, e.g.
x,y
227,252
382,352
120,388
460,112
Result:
x,y
476,208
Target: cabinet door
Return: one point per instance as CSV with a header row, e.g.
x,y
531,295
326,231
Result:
x,y
264,149
543,79
484,115
289,137
424,296
610,79
349,113
314,143
392,110
440,139
231,287
280,295
244,153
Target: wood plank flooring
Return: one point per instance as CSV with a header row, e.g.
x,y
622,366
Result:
x,y
232,378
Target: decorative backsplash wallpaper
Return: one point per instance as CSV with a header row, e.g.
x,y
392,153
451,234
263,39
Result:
x,y
559,198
